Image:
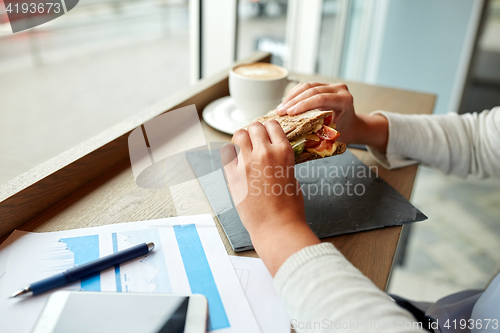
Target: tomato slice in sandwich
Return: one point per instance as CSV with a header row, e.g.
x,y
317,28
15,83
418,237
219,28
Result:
x,y
327,133
324,145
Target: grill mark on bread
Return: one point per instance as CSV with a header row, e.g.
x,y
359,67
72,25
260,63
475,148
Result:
x,y
295,126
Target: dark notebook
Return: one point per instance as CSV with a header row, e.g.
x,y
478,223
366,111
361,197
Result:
x,y
341,195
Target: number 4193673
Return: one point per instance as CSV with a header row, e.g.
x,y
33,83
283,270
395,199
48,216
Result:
x,y
34,8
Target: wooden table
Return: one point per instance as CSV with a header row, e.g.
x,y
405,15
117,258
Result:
x,y
92,184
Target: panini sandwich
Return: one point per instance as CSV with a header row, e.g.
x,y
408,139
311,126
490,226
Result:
x,y
311,134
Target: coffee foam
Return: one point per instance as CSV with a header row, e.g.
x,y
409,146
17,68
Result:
x,y
260,71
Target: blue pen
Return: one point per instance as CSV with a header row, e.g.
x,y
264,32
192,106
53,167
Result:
x,y
85,270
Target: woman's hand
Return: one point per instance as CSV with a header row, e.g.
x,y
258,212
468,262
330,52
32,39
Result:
x,y
353,128
336,97
267,195
315,95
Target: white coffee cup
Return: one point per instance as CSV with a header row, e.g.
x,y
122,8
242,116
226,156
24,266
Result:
x,y
257,88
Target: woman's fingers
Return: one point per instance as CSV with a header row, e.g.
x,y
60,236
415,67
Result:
x,y
258,135
324,101
300,88
307,90
275,132
311,92
294,92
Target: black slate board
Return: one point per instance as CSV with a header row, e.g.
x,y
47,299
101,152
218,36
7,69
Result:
x,y
330,213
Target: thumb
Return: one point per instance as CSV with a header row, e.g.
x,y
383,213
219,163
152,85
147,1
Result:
x,y
229,158
236,178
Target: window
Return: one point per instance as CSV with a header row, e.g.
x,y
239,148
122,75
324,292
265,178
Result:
x,y
262,26
70,79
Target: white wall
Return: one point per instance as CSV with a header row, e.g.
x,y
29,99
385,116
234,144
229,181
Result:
x,y
219,29
302,35
218,35
424,45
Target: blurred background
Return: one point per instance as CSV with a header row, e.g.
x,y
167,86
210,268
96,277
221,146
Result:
x,y
104,61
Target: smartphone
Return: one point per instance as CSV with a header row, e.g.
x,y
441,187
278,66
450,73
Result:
x,y
85,311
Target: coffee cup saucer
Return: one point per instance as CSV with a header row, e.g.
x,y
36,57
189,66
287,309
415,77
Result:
x,y
223,115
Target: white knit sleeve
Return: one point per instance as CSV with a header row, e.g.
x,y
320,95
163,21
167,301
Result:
x,y
323,292
459,145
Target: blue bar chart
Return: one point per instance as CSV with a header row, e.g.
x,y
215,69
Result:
x,y
201,279
85,249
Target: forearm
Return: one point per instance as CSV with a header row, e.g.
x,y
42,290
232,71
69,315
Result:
x,y
318,285
459,145
275,242
372,130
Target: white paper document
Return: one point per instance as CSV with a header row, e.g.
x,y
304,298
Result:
x,y
189,257
266,304
4,253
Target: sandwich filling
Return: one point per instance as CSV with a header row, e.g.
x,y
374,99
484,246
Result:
x,y
311,134
320,140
